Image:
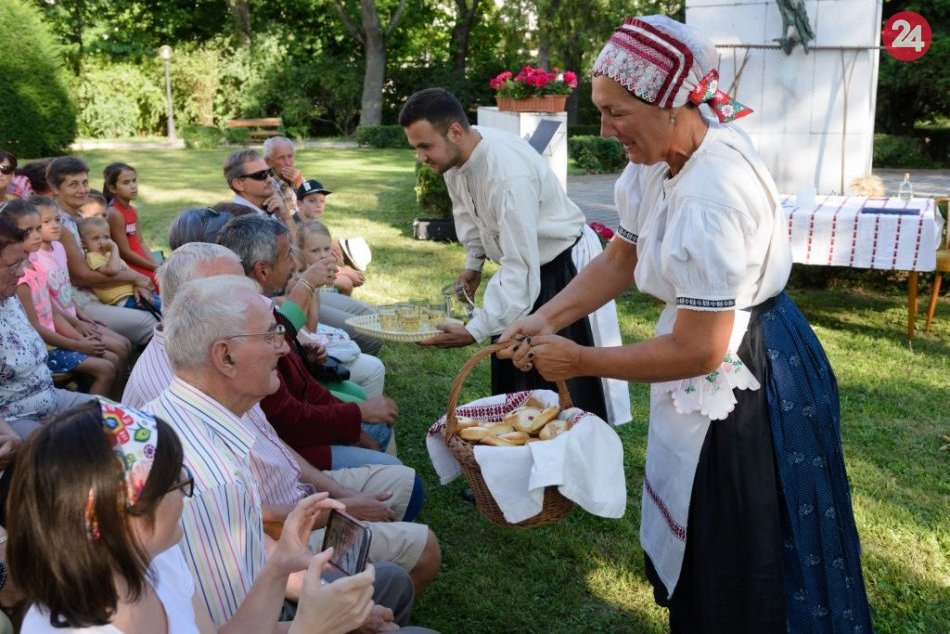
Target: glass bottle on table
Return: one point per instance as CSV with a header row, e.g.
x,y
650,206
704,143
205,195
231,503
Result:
x,y
906,190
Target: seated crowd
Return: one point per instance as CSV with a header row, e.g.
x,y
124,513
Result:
x,y
225,375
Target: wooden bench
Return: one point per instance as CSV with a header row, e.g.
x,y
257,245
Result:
x,y
260,128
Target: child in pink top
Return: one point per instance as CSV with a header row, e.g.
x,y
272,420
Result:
x,y
120,189
84,354
70,320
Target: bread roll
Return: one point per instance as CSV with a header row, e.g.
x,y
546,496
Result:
x,y
554,429
499,429
516,437
465,421
545,417
474,433
522,419
496,441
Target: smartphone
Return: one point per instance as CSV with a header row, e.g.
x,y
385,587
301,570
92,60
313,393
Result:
x,y
350,539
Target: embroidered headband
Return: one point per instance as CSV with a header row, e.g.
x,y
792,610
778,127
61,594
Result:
x,y
132,435
662,69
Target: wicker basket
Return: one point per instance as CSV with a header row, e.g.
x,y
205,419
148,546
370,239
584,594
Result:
x,y
555,505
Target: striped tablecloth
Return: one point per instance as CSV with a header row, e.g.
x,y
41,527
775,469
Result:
x,y
865,233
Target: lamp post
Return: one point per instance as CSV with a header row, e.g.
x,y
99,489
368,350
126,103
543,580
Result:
x,y
166,53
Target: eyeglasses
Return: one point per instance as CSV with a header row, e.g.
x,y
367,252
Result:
x,y
6,169
187,484
262,175
274,337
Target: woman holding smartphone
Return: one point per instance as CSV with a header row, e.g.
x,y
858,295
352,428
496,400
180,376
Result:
x,y
94,537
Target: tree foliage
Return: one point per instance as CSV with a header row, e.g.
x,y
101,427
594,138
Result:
x,y
909,92
327,65
37,117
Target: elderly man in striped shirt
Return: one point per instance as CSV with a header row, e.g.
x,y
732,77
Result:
x,y
377,493
223,344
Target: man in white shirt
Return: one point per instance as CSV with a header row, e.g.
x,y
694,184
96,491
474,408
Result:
x,y
508,207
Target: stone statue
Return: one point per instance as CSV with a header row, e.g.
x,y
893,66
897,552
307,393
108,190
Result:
x,y
795,26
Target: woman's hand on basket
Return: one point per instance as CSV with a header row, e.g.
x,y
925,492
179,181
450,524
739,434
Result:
x,y
523,327
553,356
518,335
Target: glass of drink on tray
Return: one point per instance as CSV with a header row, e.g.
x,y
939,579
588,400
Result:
x,y
436,314
388,320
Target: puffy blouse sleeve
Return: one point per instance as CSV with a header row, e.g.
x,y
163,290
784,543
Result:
x,y
628,198
704,254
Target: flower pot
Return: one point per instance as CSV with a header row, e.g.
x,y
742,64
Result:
x,y
438,229
545,103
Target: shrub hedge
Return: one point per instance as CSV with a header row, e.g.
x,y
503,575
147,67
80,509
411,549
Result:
x,y
119,99
382,136
900,151
201,137
431,193
37,116
597,155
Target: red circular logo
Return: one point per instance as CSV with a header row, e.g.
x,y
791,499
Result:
x,y
906,36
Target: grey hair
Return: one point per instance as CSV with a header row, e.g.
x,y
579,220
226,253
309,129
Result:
x,y
271,143
207,310
188,262
234,164
200,224
253,238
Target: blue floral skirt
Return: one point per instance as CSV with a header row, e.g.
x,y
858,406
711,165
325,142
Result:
x,y
60,361
771,542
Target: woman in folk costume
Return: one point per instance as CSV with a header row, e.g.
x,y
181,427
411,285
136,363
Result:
x,y
747,523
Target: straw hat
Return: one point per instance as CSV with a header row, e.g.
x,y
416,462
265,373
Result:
x,y
356,252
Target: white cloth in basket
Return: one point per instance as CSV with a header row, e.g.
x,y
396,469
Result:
x,y
586,463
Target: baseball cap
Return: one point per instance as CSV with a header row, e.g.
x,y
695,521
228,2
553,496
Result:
x,y
311,187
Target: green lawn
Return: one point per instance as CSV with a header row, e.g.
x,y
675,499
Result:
x,y
585,574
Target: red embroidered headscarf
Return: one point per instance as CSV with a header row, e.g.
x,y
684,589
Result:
x,y
667,64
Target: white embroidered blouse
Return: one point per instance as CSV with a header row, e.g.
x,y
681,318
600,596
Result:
x,y
709,238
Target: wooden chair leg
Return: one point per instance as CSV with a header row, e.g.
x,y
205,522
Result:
x,y
932,306
911,303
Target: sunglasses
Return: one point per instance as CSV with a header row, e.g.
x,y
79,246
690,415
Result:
x,y
6,169
261,175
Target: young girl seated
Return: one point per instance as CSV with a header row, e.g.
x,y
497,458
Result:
x,y
94,536
68,318
86,355
121,187
314,243
311,203
102,255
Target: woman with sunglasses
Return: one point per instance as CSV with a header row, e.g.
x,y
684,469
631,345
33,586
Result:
x,y
94,532
7,169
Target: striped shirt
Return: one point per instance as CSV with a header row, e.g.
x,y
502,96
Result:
x,y
222,523
274,467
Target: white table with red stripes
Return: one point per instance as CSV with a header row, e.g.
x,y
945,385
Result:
x,y
867,233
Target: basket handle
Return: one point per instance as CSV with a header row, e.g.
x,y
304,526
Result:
x,y
451,419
